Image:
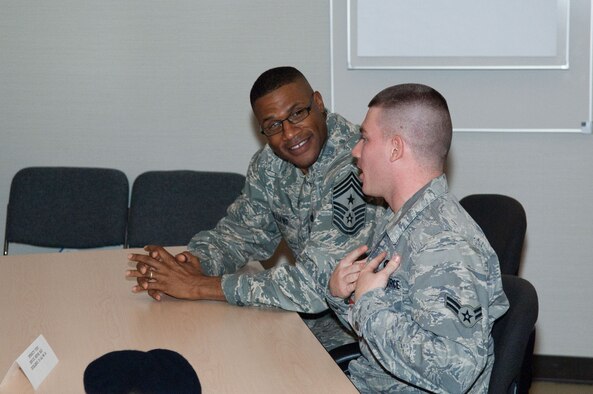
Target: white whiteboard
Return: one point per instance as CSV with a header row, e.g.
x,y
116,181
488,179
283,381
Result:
x,y
462,34
522,91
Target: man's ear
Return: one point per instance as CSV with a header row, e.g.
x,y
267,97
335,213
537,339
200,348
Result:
x,y
318,101
397,147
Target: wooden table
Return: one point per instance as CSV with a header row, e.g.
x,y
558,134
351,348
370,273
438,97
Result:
x,y
83,305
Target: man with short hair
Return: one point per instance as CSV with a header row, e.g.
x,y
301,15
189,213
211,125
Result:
x,y
424,300
303,187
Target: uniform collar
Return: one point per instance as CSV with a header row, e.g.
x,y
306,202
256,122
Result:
x,y
434,189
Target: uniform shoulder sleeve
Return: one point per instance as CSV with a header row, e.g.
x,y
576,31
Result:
x,y
248,231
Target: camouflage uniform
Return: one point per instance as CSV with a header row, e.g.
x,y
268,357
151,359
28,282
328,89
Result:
x,y
429,329
320,215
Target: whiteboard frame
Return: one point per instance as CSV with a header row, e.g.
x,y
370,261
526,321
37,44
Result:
x,y
339,47
560,61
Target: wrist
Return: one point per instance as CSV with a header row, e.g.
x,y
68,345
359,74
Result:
x,y
209,288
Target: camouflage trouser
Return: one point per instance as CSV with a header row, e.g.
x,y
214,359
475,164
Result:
x,y
328,330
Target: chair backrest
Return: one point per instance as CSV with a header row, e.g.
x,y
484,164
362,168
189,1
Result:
x,y
503,220
67,207
170,207
511,334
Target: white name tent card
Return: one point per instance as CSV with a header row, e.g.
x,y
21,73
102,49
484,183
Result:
x,y
37,361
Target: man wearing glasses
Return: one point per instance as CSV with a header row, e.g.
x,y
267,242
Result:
x,y
303,187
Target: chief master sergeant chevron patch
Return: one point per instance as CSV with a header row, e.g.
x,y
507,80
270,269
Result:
x,y
349,206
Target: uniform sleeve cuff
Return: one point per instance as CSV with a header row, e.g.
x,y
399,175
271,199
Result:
x,y
364,308
230,284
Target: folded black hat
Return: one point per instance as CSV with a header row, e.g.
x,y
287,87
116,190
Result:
x,y
133,371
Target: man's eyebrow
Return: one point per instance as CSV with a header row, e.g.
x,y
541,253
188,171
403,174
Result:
x,y
292,108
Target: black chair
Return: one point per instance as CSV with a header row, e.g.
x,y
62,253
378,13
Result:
x,y
342,355
503,220
67,207
512,334
169,207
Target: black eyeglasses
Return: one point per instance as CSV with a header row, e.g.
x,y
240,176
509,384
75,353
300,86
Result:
x,y
296,117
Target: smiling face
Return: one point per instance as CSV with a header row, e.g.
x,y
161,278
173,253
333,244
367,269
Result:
x,y
300,143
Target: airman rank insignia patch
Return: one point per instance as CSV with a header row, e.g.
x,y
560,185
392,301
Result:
x,y
349,206
467,315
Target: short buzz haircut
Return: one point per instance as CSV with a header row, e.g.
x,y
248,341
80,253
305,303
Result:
x,y
273,79
421,115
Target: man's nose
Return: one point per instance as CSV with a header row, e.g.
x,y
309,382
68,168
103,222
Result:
x,y
356,150
289,129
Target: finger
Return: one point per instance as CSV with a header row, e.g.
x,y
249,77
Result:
x,y
392,265
191,259
351,275
152,288
138,289
134,274
159,250
152,248
143,262
354,255
356,267
155,255
150,276
189,256
185,257
155,294
142,268
139,258
352,278
159,253
141,280
181,258
374,263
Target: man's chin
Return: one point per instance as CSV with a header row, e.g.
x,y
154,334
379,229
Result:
x,y
366,190
303,160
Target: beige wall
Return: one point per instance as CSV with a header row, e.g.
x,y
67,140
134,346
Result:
x,y
142,85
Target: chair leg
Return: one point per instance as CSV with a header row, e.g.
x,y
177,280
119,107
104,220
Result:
x,y
527,367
